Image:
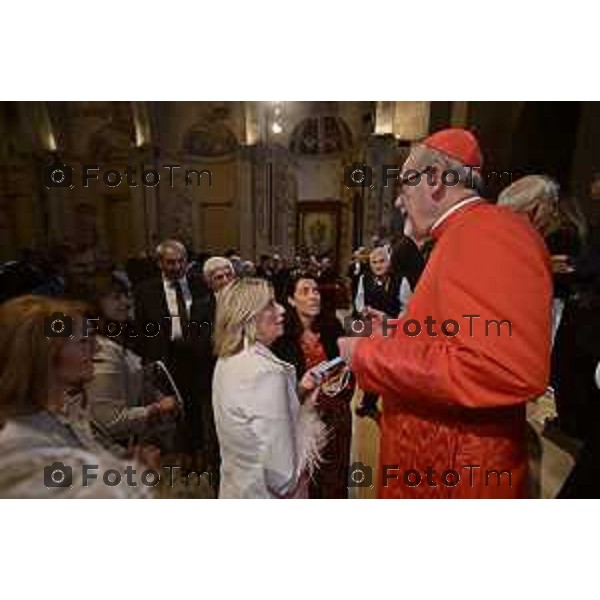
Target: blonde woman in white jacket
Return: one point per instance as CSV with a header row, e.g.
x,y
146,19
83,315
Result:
x,y
269,432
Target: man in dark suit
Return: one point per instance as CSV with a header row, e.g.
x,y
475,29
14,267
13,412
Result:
x,y
406,260
359,266
183,308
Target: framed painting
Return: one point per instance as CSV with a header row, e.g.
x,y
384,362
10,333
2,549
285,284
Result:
x,y
318,227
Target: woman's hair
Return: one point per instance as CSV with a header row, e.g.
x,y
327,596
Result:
x,y
293,324
28,352
571,213
528,190
383,250
542,191
289,346
214,263
238,305
106,283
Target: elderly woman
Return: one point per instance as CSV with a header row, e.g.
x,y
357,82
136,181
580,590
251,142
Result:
x,y
37,366
573,353
270,443
218,272
562,224
537,197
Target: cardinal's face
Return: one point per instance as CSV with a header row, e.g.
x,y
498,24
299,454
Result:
x,y
415,200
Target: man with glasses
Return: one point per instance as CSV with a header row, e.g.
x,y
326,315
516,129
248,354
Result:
x,y
454,394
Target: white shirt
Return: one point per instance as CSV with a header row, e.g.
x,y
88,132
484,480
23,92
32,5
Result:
x,y
454,208
171,296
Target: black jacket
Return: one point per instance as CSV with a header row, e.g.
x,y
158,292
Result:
x,y
383,296
407,261
151,305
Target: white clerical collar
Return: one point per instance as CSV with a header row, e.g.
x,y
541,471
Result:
x,y
453,209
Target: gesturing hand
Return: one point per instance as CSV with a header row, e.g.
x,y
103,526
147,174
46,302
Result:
x,y
309,387
168,404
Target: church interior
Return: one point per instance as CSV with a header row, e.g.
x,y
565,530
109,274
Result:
x,y
208,297
273,165
269,185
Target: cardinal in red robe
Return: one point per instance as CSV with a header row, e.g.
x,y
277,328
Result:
x,y
457,368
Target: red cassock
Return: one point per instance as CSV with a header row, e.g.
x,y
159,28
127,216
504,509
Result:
x,y
453,423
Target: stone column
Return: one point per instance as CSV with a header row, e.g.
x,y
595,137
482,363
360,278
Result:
x,y
460,114
137,203
261,180
379,198
284,190
58,226
152,200
244,203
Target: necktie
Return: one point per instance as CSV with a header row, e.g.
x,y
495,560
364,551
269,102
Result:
x,y
181,307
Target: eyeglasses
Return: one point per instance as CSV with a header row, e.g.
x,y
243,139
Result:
x,y
410,176
222,276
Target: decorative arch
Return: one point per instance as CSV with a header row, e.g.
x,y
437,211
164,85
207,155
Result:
x,y
111,141
321,135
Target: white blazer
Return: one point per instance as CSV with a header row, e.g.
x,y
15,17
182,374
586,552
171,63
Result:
x,y
269,442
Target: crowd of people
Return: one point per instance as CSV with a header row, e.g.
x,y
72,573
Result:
x,y
149,397
216,364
